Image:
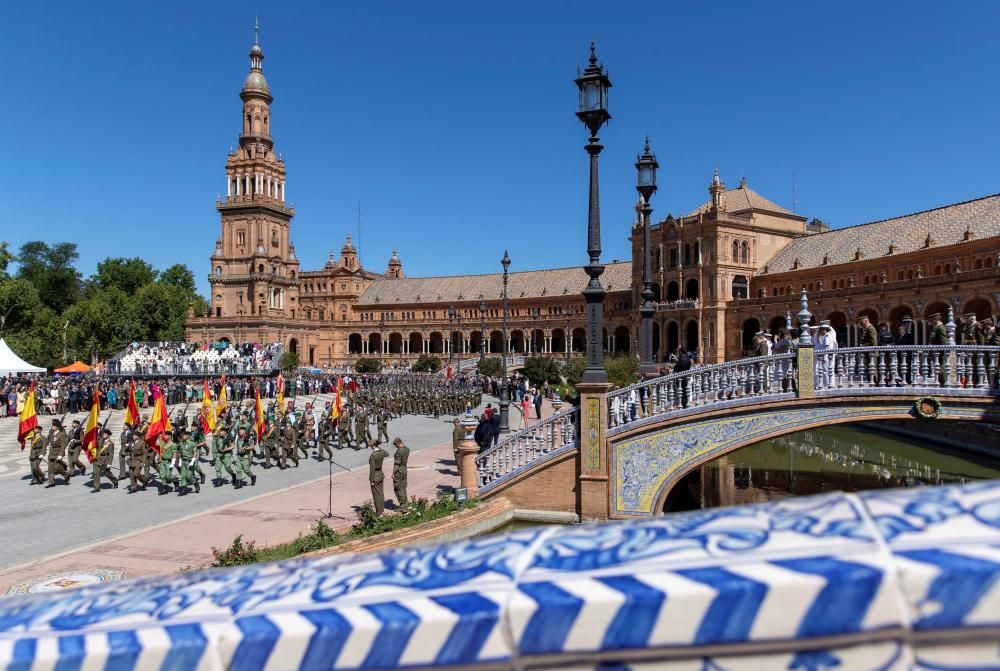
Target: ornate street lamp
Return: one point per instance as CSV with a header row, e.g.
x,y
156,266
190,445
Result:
x,y
381,338
505,387
593,85
567,335
646,166
482,330
451,334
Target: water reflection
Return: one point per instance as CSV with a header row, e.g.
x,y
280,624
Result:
x,y
828,459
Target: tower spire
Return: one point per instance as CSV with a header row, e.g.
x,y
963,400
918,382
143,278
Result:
x,y
256,30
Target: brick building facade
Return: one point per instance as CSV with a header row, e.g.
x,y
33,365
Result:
x,y
733,266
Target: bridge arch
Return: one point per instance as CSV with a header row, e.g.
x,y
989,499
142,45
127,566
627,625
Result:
x,y
648,464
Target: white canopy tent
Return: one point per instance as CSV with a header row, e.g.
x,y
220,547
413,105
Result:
x,y
11,363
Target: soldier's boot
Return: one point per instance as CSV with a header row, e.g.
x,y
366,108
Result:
x,y
253,479
197,486
202,474
114,481
161,489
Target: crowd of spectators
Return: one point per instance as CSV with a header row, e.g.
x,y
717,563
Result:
x,y
182,358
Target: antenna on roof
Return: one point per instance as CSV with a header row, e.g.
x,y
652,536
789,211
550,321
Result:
x,y
795,195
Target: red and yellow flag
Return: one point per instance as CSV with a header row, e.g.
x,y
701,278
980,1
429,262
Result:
x,y
28,418
223,402
207,414
131,408
335,413
259,419
90,436
279,398
158,424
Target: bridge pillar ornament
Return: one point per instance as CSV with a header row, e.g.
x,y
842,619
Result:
x,y
593,482
467,451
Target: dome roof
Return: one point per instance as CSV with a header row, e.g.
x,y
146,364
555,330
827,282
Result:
x,y
255,50
255,82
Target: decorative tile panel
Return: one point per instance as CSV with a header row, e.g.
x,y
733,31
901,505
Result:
x,y
881,580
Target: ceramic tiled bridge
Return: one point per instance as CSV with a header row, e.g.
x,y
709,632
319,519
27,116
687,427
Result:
x,y
638,442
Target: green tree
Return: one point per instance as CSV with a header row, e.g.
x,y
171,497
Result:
x,y
289,361
489,367
5,258
129,275
178,275
541,369
572,371
52,272
101,325
162,310
426,363
622,370
367,365
32,330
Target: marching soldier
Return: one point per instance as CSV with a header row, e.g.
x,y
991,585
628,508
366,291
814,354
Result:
x,y
199,440
344,434
382,419
288,438
36,455
136,461
325,433
57,442
102,461
125,443
222,457
269,444
376,478
399,469
361,427
187,458
75,447
244,450
168,454
309,430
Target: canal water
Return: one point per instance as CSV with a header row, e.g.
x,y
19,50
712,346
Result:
x,y
828,459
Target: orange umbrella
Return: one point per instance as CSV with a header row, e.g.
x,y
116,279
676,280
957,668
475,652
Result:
x,y
75,367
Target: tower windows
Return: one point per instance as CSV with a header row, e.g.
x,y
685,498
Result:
x,y
736,251
744,252
241,238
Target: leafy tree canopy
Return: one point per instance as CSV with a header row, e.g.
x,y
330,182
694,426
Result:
x,y
129,275
5,258
289,361
367,365
541,369
51,271
179,276
426,363
489,367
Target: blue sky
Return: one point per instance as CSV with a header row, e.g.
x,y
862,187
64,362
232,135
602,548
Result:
x,y
452,122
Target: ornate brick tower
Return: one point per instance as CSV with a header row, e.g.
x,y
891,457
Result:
x,y
254,267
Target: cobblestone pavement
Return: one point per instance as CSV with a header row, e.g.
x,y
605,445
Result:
x,y
39,522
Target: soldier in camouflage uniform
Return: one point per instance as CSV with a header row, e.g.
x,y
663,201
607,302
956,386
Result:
x,y
382,421
75,447
222,455
136,460
243,457
105,452
289,436
187,458
36,455
344,434
169,451
56,444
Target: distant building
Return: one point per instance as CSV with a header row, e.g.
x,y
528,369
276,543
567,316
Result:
x,y
734,266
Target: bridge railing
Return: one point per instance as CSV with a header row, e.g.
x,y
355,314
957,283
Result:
x,y
957,368
521,449
724,384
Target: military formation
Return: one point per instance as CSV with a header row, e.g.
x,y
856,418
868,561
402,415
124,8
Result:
x,y
233,451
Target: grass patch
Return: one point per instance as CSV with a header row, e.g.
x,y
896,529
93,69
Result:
x,y
321,536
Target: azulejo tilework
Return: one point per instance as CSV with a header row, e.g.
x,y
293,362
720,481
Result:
x,y
873,581
646,465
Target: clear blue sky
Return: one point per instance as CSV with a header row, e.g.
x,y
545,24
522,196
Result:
x,y
453,122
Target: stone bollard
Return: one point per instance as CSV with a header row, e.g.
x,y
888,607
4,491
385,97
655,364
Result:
x,y
467,453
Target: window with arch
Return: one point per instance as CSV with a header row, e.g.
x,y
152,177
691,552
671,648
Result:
x,y
744,252
218,270
736,251
741,287
989,261
979,264
901,276
260,268
947,269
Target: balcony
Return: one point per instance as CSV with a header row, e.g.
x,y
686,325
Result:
x,y
683,304
256,136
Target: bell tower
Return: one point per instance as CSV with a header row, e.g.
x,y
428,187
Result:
x,y
254,267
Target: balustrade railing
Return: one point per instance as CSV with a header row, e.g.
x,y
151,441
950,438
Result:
x,y
752,379
526,446
955,368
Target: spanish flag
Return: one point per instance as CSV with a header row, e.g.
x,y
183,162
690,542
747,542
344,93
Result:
x,y
28,418
259,419
207,414
158,424
90,430
279,400
223,403
335,413
131,408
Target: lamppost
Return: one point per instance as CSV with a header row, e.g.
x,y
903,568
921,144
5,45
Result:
x,y
482,330
381,338
451,334
568,335
646,166
593,112
505,387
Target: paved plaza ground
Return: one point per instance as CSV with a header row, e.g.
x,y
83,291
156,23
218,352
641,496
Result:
x,y
67,528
